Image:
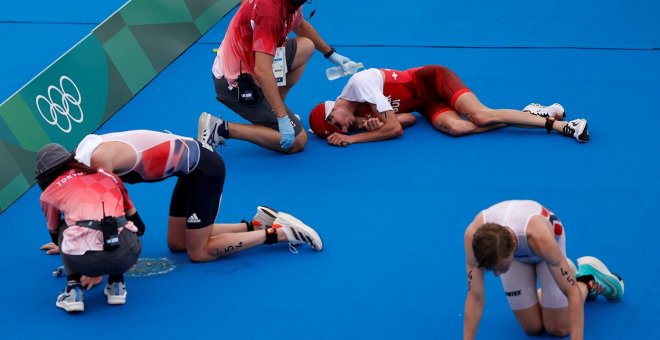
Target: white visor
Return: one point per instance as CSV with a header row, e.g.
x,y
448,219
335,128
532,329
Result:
x,y
329,104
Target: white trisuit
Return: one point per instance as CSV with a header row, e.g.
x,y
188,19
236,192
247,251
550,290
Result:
x,y
519,282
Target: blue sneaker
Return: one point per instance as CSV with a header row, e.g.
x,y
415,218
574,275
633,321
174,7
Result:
x,y
71,300
604,282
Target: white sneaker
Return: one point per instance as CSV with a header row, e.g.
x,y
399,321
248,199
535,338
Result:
x,y
207,130
264,217
116,293
555,110
578,129
297,232
71,300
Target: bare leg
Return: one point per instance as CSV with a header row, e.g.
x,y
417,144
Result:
x,y
556,321
202,247
530,319
228,228
304,52
451,123
176,233
482,115
265,137
214,241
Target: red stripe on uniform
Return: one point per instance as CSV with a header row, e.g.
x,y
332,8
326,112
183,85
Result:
x,y
457,94
544,212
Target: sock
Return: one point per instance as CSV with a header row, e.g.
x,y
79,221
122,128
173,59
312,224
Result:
x,y
223,129
271,236
73,282
250,225
587,280
115,278
548,124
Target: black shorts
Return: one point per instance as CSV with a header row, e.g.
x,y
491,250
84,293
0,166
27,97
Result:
x,y
259,113
197,195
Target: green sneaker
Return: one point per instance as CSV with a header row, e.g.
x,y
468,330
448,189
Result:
x,y
604,282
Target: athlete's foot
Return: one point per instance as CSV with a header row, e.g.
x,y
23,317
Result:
x,y
599,279
577,129
209,130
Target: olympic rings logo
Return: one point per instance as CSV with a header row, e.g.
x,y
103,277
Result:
x,y
62,106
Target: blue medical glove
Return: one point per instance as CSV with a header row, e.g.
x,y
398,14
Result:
x,y
286,132
339,60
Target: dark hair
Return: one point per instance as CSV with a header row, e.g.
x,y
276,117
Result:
x,y
491,243
48,177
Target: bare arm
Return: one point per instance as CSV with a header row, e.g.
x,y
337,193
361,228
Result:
x,y
305,29
542,242
406,119
474,301
263,70
391,128
373,123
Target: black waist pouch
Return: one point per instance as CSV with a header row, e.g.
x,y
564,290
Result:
x,y
110,229
247,89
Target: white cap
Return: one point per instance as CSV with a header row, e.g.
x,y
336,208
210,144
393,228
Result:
x,y
86,147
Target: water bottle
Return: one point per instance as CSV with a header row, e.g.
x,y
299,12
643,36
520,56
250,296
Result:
x,y
336,72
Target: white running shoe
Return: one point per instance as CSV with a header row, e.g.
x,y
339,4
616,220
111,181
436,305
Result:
x,y
578,129
71,300
555,111
116,293
207,130
264,217
604,282
297,232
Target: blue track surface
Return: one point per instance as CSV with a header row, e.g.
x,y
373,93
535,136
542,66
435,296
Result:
x,y
392,214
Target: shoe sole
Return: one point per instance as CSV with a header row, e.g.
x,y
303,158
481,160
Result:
x,y
584,136
307,229
202,122
598,269
270,212
71,307
116,300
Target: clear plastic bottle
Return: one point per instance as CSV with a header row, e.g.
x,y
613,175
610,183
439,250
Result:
x,y
336,72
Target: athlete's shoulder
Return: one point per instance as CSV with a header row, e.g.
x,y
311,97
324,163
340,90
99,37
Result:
x,y
263,7
396,76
